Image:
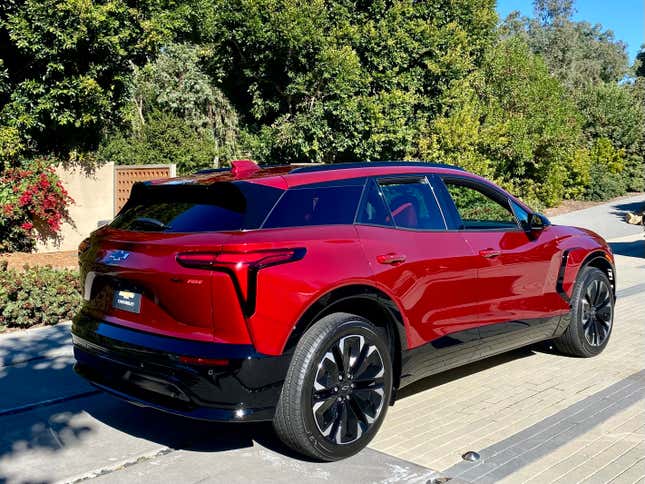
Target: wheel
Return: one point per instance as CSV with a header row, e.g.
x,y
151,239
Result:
x,y
591,317
337,389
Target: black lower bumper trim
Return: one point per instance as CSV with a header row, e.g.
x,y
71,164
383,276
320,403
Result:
x,y
246,388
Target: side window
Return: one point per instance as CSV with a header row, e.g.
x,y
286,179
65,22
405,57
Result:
x,y
479,210
304,206
412,205
373,210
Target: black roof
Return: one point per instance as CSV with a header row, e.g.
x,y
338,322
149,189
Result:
x,y
368,164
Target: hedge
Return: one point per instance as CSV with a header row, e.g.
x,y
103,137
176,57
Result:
x,y
37,296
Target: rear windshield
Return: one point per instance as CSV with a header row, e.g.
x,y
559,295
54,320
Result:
x,y
226,206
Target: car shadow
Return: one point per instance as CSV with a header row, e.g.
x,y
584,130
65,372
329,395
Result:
x,y
44,409
181,433
439,379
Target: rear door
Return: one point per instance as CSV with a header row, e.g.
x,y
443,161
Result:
x,y
515,270
430,271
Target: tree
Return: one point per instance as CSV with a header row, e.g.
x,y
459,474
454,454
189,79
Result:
x,y
66,66
176,115
577,53
640,63
512,121
329,81
611,112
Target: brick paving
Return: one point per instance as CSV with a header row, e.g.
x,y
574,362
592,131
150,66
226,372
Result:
x,y
534,415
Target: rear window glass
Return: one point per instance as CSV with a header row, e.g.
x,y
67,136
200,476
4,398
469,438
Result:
x,y
329,205
197,208
412,205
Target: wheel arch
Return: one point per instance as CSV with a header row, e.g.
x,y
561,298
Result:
x,y
362,300
599,260
574,260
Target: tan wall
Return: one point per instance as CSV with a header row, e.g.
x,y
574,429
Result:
x,y
94,201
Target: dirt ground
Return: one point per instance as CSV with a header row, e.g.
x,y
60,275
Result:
x,y
58,260
573,205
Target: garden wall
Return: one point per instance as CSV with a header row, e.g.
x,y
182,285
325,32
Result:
x,y
97,197
93,195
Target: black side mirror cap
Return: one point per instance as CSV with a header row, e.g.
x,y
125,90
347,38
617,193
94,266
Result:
x,y
537,222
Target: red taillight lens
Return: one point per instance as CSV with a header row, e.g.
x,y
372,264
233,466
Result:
x,y
255,260
242,267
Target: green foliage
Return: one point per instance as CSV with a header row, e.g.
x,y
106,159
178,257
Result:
x,y
335,81
639,65
607,164
510,121
613,112
66,66
37,295
577,53
592,66
176,116
199,82
163,138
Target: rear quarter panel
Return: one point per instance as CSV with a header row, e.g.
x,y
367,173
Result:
x,y
334,258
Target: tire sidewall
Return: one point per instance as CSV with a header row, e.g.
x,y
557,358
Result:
x,y
352,326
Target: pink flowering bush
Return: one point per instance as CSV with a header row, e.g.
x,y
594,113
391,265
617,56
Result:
x,y
33,206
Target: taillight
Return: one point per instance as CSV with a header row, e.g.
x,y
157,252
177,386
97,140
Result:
x,y
236,260
242,267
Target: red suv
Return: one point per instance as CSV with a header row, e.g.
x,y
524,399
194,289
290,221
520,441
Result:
x,y
308,296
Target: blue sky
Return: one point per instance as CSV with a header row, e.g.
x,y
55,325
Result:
x,y
626,18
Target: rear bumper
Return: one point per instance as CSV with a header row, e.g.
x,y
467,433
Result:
x,y
146,369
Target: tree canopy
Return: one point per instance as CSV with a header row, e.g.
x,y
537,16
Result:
x,y
540,104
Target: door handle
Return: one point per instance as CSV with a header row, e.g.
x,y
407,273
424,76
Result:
x,y
391,258
488,253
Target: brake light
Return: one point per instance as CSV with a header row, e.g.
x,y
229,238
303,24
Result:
x,y
243,168
254,260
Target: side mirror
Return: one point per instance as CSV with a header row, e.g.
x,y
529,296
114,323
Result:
x,y
536,222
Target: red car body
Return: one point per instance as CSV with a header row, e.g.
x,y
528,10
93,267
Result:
x,y
219,312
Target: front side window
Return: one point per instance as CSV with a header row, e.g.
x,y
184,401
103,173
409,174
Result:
x,y
479,210
304,206
412,204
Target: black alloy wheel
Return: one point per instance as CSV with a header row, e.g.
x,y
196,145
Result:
x,y
347,395
597,312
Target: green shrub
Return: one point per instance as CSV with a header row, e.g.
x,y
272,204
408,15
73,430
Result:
x,y
607,165
37,295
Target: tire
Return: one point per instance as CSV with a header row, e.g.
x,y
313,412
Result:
x,y
590,319
318,414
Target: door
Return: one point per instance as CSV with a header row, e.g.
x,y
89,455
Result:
x,y
513,267
429,270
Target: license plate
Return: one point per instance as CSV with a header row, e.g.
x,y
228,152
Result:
x,y
127,301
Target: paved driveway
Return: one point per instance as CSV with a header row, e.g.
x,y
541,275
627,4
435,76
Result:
x,y
531,414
